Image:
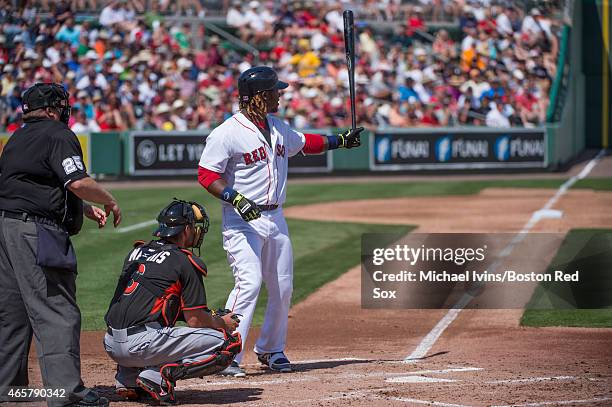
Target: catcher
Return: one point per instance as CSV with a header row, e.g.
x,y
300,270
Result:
x,y
161,282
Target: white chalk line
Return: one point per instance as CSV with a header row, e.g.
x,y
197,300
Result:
x,y
362,394
311,361
137,226
343,396
532,380
449,370
419,379
425,402
558,402
431,338
310,378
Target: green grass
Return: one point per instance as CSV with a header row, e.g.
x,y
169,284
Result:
x,y
312,193
587,303
322,250
598,184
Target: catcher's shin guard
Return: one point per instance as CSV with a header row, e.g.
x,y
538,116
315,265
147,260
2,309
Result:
x,y
218,361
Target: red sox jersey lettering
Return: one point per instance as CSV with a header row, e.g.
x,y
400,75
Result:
x,y
239,152
255,155
280,150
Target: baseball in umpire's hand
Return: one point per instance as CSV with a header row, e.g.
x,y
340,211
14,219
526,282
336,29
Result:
x,y
351,138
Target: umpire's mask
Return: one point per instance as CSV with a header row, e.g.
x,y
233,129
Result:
x,y
175,217
42,95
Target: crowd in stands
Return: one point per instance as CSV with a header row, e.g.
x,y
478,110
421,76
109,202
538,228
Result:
x,y
131,68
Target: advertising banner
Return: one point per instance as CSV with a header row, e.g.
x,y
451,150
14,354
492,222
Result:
x,y
167,153
458,149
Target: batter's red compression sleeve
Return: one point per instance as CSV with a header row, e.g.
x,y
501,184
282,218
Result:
x,y
207,177
315,144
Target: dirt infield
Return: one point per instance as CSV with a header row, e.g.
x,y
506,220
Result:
x,y
345,355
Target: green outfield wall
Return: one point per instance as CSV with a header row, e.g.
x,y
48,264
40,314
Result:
x,y
592,18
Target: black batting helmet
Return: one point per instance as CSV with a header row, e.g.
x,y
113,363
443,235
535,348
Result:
x,y
177,215
41,95
258,79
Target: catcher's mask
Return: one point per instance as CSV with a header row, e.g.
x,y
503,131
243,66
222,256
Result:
x,y
42,95
177,215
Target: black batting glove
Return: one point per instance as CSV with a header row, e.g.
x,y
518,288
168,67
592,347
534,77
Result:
x,y
247,209
351,138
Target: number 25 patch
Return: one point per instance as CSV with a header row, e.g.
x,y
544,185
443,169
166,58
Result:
x,y
71,164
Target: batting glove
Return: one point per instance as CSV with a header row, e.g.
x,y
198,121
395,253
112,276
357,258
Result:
x,y
351,138
247,209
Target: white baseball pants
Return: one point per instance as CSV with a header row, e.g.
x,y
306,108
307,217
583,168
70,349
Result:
x,y
258,251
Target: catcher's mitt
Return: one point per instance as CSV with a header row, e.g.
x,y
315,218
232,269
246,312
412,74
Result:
x,y
219,312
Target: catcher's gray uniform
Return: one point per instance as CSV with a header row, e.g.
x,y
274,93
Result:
x,y
146,352
158,282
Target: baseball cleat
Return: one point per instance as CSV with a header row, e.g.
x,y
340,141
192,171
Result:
x,y
130,393
163,395
276,361
91,399
233,370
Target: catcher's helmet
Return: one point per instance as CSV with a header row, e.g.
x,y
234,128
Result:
x,y
258,79
41,95
177,215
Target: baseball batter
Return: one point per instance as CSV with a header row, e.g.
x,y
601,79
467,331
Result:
x,y
244,163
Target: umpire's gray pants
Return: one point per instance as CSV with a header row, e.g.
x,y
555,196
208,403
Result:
x,y
41,301
144,353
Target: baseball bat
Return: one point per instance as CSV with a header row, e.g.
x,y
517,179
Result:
x,y
349,47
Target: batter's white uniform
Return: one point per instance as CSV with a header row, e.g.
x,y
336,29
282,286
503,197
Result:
x,y
260,249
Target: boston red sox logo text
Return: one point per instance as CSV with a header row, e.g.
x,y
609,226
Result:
x,y
255,155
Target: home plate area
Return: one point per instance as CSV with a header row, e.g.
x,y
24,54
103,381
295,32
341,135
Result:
x,y
360,381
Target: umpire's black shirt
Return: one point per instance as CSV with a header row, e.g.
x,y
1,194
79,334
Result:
x,y
38,162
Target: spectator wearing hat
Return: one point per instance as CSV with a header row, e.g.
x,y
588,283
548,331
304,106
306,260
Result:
x,y
177,115
162,117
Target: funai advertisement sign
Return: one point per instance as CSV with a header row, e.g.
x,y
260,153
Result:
x,y
461,149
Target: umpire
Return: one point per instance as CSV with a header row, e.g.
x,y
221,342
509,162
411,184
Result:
x,y
43,183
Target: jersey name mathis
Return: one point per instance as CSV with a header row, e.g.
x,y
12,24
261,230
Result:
x,y
260,154
158,257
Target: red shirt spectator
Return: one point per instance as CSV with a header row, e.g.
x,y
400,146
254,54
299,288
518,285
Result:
x,y
415,23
